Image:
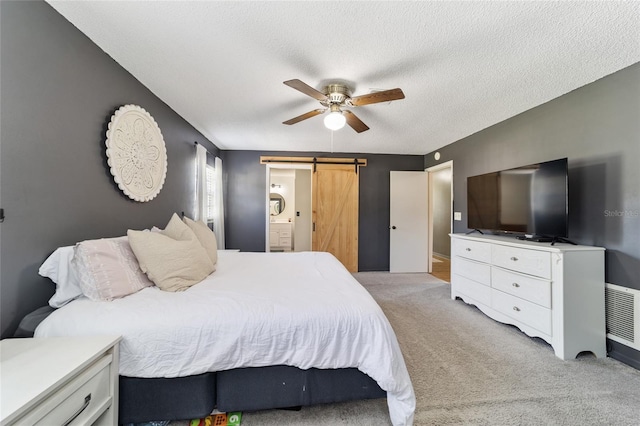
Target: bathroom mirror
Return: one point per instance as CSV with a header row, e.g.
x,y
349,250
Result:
x,y
276,204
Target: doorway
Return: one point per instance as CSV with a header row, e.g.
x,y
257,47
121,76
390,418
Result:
x,y
334,197
440,219
288,221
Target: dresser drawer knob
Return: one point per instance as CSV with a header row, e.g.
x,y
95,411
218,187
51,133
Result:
x,y
468,249
515,308
516,285
515,259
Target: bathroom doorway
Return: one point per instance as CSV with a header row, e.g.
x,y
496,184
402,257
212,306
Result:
x,y
289,216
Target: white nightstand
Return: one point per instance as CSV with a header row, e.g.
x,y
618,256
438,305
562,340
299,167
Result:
x,y
59,381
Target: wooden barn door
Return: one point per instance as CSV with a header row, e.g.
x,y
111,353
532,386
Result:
x,y
335,212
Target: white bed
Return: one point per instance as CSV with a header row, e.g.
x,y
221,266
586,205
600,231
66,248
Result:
x,y
257,309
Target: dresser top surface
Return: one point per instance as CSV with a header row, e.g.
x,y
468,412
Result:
x,y
533,245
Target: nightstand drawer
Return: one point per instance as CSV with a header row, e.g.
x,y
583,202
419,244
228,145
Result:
x,y
472,250
79,402
527,261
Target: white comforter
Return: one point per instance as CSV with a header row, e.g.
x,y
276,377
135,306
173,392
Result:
x,y
257,309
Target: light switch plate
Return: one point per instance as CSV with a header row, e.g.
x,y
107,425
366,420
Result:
x,y
457,215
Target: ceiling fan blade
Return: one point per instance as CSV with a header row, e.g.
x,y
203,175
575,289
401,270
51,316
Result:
x,y
355,123
306,89
305,116
373,98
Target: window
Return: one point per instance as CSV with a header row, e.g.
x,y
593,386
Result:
x,y
211,194
209,203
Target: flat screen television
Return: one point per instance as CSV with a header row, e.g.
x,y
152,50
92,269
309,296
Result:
x,y
530,200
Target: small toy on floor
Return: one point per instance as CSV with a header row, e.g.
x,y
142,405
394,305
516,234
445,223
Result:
x,y
219,419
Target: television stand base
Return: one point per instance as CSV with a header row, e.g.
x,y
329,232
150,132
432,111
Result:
x,y
562,240
474,230
552,240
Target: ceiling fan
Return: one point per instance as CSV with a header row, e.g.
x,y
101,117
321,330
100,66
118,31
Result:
x,y
335,98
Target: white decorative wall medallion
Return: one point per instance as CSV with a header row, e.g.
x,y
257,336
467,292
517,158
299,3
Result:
x,y
136,153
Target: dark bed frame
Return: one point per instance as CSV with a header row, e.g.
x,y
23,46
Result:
x,y
240,389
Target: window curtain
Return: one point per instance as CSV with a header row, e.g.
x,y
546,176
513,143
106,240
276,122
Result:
x,y
218,204
201,183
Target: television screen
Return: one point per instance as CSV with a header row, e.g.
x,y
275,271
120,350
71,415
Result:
x,y
531,200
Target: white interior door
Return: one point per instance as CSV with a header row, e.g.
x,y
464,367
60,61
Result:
x,y
408,227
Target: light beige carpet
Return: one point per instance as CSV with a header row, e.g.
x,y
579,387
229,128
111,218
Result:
x,y
467,369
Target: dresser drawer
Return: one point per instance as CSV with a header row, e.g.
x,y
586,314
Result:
x,y
83,399
476,291
524,286
285,234
528,313
532,262
472,250
476,271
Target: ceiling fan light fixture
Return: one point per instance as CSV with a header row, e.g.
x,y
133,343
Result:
x,y
336,96
335,120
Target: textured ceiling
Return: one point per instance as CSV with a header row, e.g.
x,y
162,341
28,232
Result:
x,y
463,66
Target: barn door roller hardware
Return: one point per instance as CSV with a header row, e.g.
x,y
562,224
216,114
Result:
x,y
356,162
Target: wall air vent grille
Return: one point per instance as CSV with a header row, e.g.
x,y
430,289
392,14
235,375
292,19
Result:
x,y
623,315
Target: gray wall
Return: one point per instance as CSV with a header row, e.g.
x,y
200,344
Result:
x,y
59,91
598,128
246,209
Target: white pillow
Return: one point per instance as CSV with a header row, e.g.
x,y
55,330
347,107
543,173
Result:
x,y
107,269
58,268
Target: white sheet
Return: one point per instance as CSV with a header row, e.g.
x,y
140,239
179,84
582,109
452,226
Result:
x,y
258,309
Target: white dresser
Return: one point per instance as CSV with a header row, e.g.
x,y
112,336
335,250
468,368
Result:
x,y
552,292
59,381
280,236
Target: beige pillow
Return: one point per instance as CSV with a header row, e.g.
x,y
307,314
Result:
x,y
107,269
172,264
206,237
178,230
